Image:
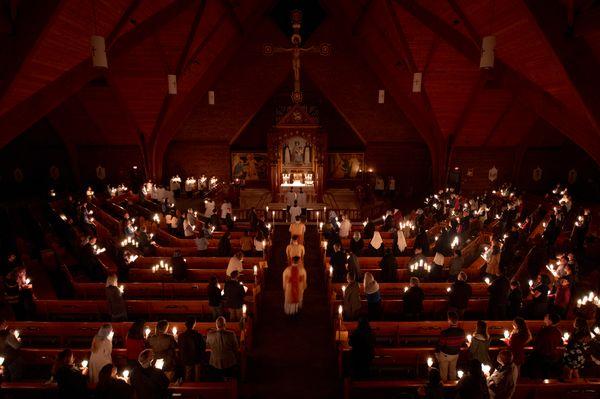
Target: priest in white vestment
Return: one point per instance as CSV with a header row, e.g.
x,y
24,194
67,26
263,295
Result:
x,y
294,284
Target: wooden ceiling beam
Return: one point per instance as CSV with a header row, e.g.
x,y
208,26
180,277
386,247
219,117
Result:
x,y
18,51
110,39
23,115
468,108
499,121
575,125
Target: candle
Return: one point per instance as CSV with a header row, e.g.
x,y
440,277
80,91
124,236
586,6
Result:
x,y
429,362
330,271
84,364
486,368
255,270
343,290
405,289
111,335
27,281
546,381
125,374
174,329
506,334
487,280
448,289
16,333
460,374
531,283
244,309
146,332
159,364
469,338
340,310
566,337
122,288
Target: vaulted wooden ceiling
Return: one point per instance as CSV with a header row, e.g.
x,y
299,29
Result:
x,y
540,71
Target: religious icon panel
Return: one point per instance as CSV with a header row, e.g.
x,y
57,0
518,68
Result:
x,y
345,165
249,166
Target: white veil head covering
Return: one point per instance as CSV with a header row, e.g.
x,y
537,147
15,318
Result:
x,y
401,241
376,241
104,331
371,286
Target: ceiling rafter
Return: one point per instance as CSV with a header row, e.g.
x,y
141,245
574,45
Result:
x,y
466,112
25,44
231,13
500,120
196,53
566,121
110,39
168,98
357,26
473,34
43,101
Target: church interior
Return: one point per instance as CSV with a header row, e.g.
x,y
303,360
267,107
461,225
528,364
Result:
x,y
328,199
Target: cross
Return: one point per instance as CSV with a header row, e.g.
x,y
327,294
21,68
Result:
x,y
323,49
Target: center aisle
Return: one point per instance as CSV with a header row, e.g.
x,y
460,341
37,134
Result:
x,y
294,357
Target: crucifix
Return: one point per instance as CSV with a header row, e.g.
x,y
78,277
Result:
x,y
323,49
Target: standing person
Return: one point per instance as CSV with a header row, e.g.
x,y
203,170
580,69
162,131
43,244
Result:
x,y
493,264
295,249
10,346
498,299
215,297
295,211
502,383
433,389
362,342
101,351
192,348
546,349
301,197
290,197
353,264
456,264
357,243
345,227
373,296
236,263
577,347
225,211
351,300
519,337
473,385
448,348
149,382
71,380
413,300
479,347
338,263
135,342
259,244
110,386
294,284
389,267
298,228
515,299
224,349
224,248
234,297
164,347
460,293
116,304
179,266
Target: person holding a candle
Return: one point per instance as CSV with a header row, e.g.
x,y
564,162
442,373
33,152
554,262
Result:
x,y
224,248
110,386
577,348
294,249
413,300
515,299
503,381
498,298
294,284
135,342
389,267
10,345
357,243
473,385
116,304
297,228
234,296
538,306
101,351
148,381
373,295
164,347
448,348
479,346
547,345
351,299
518,339
460,293
70,379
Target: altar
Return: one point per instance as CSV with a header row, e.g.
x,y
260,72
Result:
x,y
296,150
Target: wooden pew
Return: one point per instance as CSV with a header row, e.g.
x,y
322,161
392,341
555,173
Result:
x,y
431,289
198,262
526,389
70,334
433,308
61,309
193,275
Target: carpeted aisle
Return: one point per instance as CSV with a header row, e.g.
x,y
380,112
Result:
x,y
294,358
